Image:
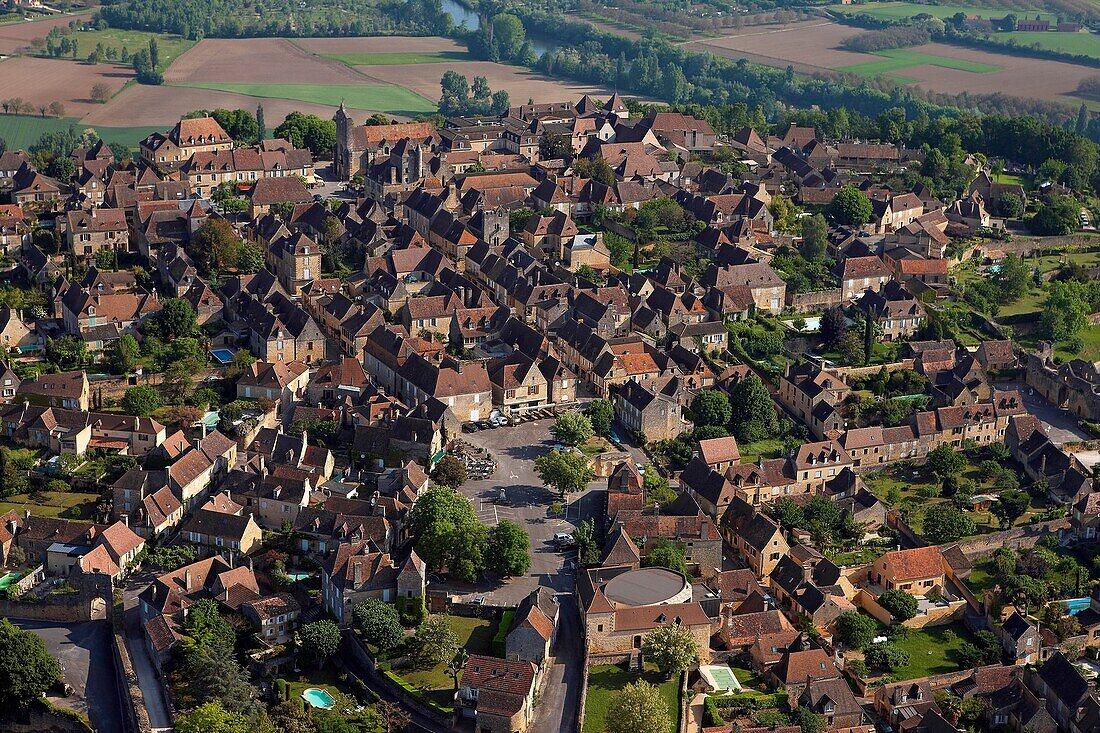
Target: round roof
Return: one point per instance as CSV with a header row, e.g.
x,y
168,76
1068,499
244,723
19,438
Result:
x,y
645,587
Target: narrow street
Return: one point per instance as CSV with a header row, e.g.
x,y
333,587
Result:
x,y
557,708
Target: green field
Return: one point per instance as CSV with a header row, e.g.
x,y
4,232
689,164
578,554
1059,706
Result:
x,y
932,650
22,131
388,98
606,680
396,59
68,505
169,48
900,11
899,59
1085,44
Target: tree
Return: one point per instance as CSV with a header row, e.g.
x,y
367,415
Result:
x,y
807,720
554,146
565,472
206,627
944,460
319,640
123,354
1066,310
308,131
667,554
850,207
509,550
142,400
67,352
901,604
638,708
26,667
671,647
599,170
588,552
456,665
886,656
100,93
1010,205
447,533
379,623
211,717
433,643
215,246
1010,506
656,488
834,325
154,52
752,410
215,676
1056,218
856,629
815,237
573,428
449,472
391,716
711,407
601,414
261,124
945,522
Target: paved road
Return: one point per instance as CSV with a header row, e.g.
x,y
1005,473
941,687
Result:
x,y
152,690
88,666
515,449
557,708
1061,425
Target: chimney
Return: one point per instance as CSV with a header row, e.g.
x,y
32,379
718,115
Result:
x,y
187,579
358,574
126,519
1043,464
228,495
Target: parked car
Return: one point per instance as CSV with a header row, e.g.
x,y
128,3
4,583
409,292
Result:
x,y
564,541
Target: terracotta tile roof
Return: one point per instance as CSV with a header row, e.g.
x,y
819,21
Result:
x,y
271,606
922,562
719,450
795,667
509,676
645,618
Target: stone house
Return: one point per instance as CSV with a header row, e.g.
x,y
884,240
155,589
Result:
x,y
354,572
652,413
276,617
169,151
217,531
499,694
534,627
89,231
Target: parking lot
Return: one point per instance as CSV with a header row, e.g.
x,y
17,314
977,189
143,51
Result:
x,y
88,666
526,502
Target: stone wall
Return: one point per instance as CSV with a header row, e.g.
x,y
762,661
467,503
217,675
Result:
x,y
67,609
134,714
46,721
1017,537
802,302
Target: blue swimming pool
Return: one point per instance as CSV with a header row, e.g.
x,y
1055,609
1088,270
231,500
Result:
x,y
1076,605
319,698
224,356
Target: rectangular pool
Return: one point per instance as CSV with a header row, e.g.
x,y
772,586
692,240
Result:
x,y
224,356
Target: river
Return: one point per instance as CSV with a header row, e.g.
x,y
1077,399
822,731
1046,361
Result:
x,y
464,15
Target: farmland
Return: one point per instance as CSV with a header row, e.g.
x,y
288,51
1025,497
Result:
x,y
169,48
39,81
901,11
815,46
14,36
388,98
1086,44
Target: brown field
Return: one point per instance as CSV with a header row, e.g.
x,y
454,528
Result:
x,y
520,84
1019,76
140,106
256,61
811,46
41,81
380,44
14,36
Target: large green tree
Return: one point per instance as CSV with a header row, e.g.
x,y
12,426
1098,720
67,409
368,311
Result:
x,y
566,472
711,407
211,717
945,522
447,534
815,237
856,629
319,640
509,549
671,647
573,428
26,668
752,410
850,207
379,623
638,708
900,603
142,400
433,643
601,414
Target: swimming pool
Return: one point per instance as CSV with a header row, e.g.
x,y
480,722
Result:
x,y
224,356
319,698
1076,605
6,580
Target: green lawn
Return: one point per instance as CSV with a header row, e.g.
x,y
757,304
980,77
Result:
x,y
1078,44
22,131
169,47
980,579
388,98
476,635
67,505
932,650
905,58
1012,178
767,448
606,680
395,59
900,11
